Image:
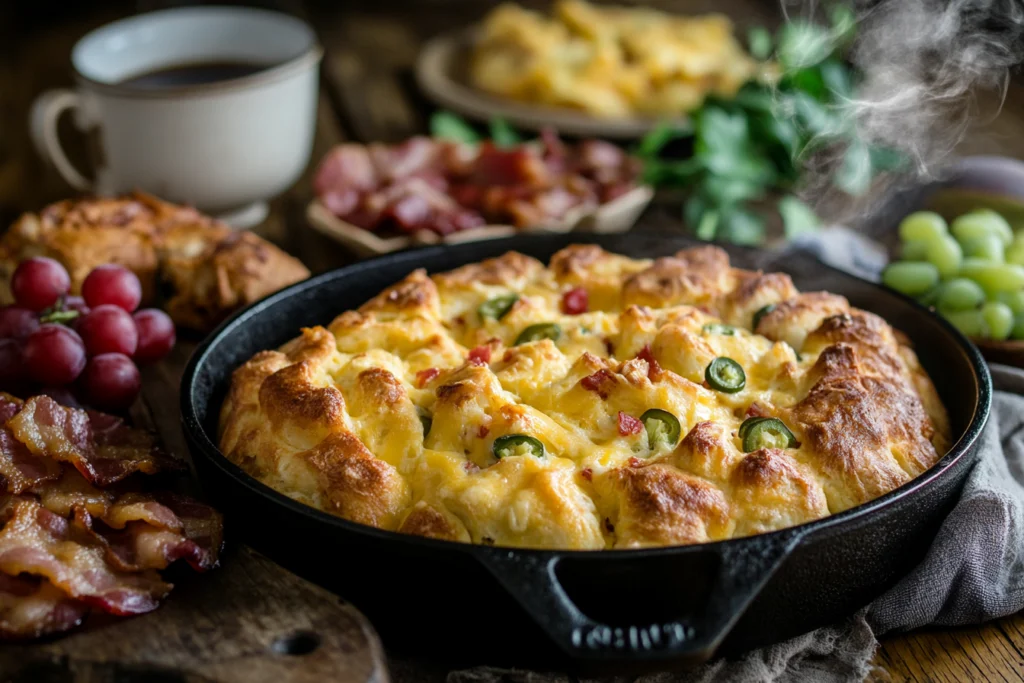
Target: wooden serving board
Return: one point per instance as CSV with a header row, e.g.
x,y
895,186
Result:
x,y
249,621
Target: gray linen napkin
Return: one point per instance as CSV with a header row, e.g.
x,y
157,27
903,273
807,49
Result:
x,y
973,572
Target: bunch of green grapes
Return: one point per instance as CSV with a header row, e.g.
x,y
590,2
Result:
x,y
971,271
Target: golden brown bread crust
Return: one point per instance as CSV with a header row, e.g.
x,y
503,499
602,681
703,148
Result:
x,y
202,268
388,416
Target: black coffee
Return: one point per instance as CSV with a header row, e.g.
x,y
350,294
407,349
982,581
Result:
x,y
192,74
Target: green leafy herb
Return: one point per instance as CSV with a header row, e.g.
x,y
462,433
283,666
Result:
x,y
755,145
448,126
502,134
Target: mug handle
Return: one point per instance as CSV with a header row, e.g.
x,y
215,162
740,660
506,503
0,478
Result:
x,y
46,112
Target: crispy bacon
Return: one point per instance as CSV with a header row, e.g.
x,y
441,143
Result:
x,y
653,368
66,544
483,431
36,541
629,425
587,474
19,468
481,355
445,187
31,606
423,377
600,382
139,533
105,454
575,301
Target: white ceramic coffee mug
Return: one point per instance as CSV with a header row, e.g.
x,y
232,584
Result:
x,y
224,147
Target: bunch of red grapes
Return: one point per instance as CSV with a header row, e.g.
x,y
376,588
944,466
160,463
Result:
x,y
84,349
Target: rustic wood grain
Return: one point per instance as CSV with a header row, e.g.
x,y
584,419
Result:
x,y
248,622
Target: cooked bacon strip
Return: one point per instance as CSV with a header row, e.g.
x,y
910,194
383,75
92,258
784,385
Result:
x,y
145,535
31,606
105,454
38,542
19,468
445,187
71,490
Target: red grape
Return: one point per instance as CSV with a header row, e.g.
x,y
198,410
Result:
x,y
112,284
108,329
111,381
12,367
17,322
38,282
75,303
156,335
54,354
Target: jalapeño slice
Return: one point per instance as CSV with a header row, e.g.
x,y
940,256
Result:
x,y
539,331
726,375
761,312
517,444
662,428
766,432
498,307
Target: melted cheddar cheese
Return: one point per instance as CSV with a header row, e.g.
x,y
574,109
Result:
x,y
388,416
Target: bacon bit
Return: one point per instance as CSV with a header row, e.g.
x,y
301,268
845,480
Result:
x,y
587,474
481,355
705,385
575,301
629,425
424,376
470,467
635,462
600,382
756,410
609,346
460,320
483,431
653,367
609,527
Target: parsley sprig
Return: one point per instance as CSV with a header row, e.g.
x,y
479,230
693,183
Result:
x,y
750,149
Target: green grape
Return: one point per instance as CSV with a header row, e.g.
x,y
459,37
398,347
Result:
x,y
960,294
998,319
913,278
914,250
986,247
945,254
993,277
1015,253
1018,327
922,226
981,222
1015,300
971,323
931,297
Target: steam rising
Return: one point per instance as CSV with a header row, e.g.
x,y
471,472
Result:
x,y
922,63
922,60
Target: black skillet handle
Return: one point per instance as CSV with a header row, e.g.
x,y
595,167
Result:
x,y
741,572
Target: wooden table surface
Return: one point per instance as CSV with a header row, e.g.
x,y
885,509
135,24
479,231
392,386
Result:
x,y
368,94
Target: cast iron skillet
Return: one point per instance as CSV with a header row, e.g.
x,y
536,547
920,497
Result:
x,y
605,611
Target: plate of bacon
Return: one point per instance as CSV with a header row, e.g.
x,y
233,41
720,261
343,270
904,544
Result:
x,y
80,531
381,198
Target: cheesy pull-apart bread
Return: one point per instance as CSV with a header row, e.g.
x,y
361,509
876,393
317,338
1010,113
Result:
x,y
598,402
198,268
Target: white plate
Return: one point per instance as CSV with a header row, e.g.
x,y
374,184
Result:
x,y
440,72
